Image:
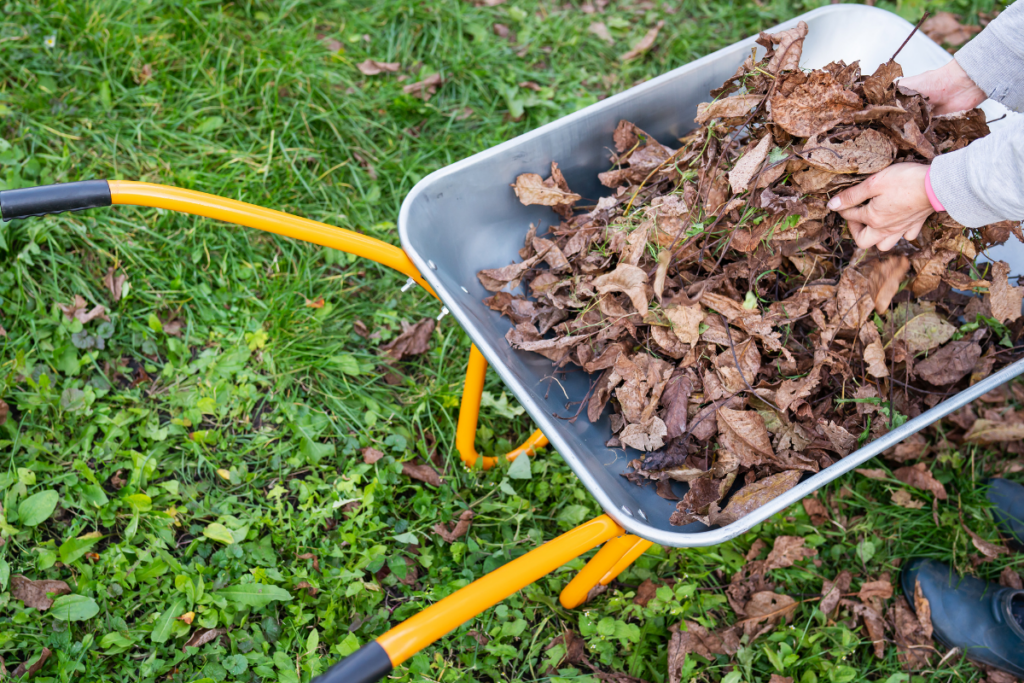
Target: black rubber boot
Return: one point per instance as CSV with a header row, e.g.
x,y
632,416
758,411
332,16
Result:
x,y
983,619
1007,500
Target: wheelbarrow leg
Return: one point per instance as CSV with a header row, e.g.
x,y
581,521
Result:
x,y
374,660
469,412
609,562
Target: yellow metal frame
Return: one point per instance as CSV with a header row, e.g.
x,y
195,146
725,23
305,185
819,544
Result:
x,y
414,634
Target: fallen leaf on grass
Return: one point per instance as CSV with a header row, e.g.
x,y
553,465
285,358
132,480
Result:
x,y
601,31
575,648
786,551
359,327
31,668
988,550
33,593
689,637
881,589
815,510
76,311
832,592
878,475
919,477
371,455
873,623
1005,299
315,303
990,431
644,44
172,326
457,531
766,606
114,284
187,617
1011,579
425,88
645,592
310,556
755,550
5,410
202,637
414,340
311,589
424,473
371,67
903,499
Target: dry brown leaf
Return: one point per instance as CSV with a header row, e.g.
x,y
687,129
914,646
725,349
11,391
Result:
x,y
943,27
1005,299
425,88
424,473
315,303
414,340
988,550
645,592
787,551
371,455
885,280
644,44
743,432
989,431
913,639
766,606
114,285
738,366
843,441
881,589
629,280
873,623
601,31
727,108
1011,579
5,410
919,477
530,188
747,167
457,531
34,593
76,311
753,496
808,105
950,363
903,499
925,332
690,638
815,510
789,47
32,667
832,592
644,437
685,321
371,67
869,152
853,299
202,637
878,475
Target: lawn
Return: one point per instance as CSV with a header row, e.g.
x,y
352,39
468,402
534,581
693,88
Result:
x,y
209,436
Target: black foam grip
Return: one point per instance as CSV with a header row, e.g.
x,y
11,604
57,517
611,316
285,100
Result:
x,y
39,201
367,664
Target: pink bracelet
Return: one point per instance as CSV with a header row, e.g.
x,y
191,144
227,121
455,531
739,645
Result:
x,y
932,199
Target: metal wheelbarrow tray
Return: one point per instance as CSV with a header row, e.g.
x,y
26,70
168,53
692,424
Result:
x,y
463,218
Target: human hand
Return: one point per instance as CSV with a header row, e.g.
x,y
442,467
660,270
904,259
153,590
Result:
x,y
897,206
948,89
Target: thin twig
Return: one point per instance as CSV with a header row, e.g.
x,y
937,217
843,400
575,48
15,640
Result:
x,y
926,14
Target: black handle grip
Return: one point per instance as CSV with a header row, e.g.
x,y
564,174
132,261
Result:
x,y
39,201
367,664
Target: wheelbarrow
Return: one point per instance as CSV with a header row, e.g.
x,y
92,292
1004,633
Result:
x,y
464,218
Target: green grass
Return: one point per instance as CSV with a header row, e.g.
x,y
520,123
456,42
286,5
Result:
x,y
245,100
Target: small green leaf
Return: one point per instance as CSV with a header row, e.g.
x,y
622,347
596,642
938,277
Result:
x,y
865,550
520,467
165,622
218,532
312,641
75,548
74,608
237,664
254,594
208,125
140,501
37,508
347,364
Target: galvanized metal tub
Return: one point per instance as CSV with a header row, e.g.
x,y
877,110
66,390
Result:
x,y
465,217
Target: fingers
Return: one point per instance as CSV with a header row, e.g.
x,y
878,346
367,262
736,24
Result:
x,y
858,194
889,242
859,214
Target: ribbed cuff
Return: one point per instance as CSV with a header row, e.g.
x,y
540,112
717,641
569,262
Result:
x,y
995,58
951,185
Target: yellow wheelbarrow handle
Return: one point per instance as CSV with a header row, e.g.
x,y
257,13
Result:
x,y
88,194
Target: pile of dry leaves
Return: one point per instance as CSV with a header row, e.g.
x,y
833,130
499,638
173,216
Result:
x,y
739,336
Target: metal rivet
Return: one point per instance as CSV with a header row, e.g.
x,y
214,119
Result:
x,y
431,264
410,283
444,312
627,510
642,514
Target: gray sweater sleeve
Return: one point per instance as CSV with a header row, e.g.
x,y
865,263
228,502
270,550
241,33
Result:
x,y
984,182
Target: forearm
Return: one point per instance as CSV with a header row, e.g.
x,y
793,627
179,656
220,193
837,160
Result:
x,y
995,58
984,182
